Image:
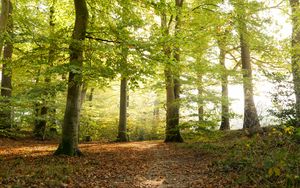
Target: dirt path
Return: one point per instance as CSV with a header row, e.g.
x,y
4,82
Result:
x,y
121,165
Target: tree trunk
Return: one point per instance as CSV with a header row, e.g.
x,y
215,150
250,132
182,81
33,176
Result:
x,y
122,131
5,8
40,122
156,111
296,55
43,109
225,101
200,99
173,82
250,114
69,142
6,87
83,93
91,95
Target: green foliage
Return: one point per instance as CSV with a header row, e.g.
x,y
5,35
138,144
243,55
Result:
x,y
269,159
283,100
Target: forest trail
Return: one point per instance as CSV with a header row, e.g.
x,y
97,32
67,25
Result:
x,y
120,165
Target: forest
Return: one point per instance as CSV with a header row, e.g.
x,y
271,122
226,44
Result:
x,y
150,93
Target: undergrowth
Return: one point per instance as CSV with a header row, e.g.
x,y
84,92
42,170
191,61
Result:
x,y
268,159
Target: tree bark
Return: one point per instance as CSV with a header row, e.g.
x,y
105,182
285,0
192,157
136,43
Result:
x,y
40,122
225,100
91,95
250,113
200,99
83,93
5,6
6,86
173,81
296,55
69,142
122,130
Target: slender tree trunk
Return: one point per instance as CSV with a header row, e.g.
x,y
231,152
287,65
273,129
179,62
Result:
x,y
200,98
83,93
156,111
122,131
69,142
82,100
225,100
172,82
6,86
91,95
40,122
250,113
296,55
43,109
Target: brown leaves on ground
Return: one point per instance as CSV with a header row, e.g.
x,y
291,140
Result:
x,y
136,164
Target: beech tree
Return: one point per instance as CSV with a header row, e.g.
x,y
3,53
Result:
x,y
172,76
42,110
250,113
69,142
122,129
6,26
295,41
225,125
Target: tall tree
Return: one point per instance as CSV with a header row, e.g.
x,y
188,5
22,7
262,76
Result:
x,y
225,125
6,26
250,113
172,77
296,54
122,129
69,142
3,21
43,109
200,101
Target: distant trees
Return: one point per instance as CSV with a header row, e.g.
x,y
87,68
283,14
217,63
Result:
x,y
42,108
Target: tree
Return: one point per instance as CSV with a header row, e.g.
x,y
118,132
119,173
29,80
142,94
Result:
x,y
69,142
5,121
172,77
223,35
41,110
122,129
296,55
6,86
225,125
250,113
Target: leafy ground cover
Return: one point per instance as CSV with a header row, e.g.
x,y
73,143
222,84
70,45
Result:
x,y
228,159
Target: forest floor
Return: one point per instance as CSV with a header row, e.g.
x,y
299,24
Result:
x,y
135,164
205,163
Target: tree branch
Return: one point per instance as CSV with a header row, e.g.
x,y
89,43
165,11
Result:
x,y
102,40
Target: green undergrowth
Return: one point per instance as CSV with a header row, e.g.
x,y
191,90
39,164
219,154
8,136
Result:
x,y
13,134
268,159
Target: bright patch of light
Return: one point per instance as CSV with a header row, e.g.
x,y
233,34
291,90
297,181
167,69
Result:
x,y
226,7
